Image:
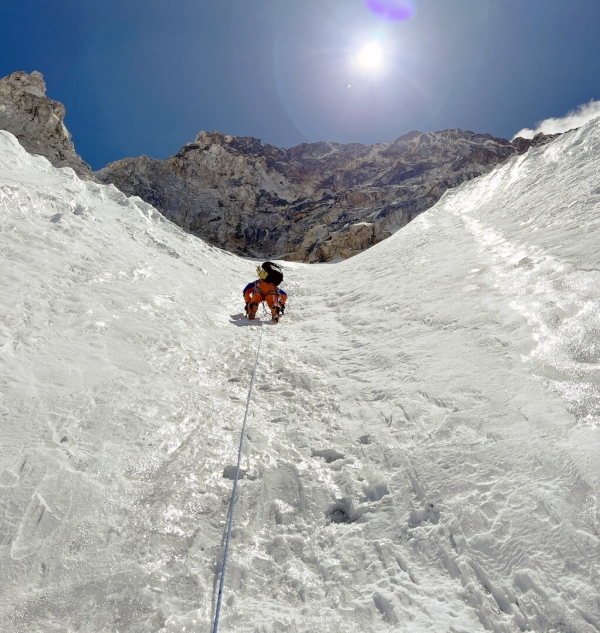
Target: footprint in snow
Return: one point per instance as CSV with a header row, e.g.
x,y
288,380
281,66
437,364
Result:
x,y
329,454
342,511
430,512
229,472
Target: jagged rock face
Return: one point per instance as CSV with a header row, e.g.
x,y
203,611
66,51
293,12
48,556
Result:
x,y
37,121
313,202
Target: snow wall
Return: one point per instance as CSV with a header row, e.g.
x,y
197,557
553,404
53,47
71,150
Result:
x,y
423,443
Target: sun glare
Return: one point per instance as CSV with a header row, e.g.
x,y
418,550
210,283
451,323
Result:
x,y
371,56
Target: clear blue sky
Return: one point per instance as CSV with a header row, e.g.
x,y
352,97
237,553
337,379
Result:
x,y
144,76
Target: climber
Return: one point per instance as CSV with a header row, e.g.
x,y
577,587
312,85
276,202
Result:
x,y
266,289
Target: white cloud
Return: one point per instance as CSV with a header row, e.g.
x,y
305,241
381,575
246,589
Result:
x,y
575,118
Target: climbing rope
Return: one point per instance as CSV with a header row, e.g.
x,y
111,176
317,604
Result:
x,y
233,493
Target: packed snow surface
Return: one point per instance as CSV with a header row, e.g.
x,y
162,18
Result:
x,y
423,447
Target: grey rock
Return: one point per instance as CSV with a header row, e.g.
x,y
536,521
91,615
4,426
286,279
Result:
x,y
314,202
38,122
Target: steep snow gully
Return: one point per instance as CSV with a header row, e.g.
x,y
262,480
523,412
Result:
x,y
423,444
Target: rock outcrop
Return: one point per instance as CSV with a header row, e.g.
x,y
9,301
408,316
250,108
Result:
x,y
313,202
37,121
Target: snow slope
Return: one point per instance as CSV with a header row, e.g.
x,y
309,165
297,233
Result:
x,y
423,448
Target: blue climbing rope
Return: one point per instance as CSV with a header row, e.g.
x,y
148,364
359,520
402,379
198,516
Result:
x,y
233,493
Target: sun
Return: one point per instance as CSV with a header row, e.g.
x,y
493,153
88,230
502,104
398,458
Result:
x,y
370,56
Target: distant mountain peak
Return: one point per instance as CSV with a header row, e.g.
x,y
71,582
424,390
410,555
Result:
x,y
38,122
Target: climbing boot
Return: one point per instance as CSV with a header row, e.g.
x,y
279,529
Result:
x,y
251,309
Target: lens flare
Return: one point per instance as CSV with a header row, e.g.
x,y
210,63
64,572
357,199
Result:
x,y
397,10
371,56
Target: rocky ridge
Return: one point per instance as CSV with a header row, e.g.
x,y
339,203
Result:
x,y
38,122
314,202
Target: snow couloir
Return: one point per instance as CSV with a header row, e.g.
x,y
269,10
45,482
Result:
x,y
423,447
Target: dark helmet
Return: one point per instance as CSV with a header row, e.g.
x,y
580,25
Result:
x,y
270,272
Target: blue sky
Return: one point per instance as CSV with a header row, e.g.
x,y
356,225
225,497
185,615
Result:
x,y
144,76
